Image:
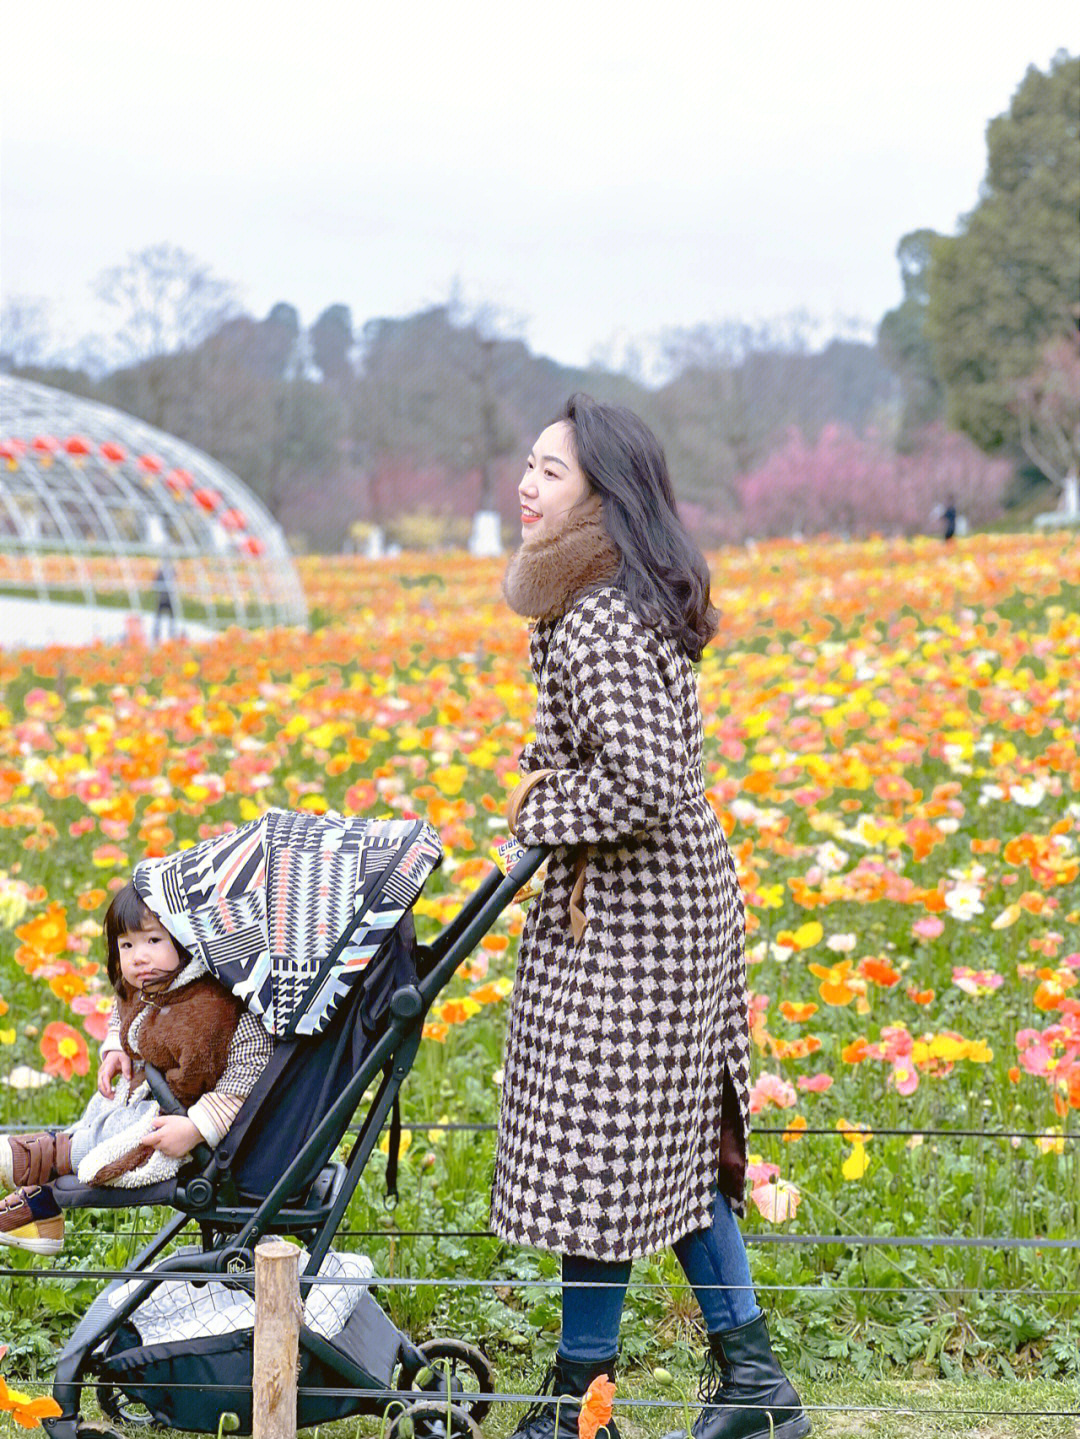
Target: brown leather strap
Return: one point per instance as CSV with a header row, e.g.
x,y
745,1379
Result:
x,y
517,796
39,1158
62,1161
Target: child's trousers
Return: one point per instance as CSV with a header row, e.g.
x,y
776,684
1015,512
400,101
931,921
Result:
x,y
714,1261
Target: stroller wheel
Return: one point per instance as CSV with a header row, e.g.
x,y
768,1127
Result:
x,y
433,1419
115,1406
459,1368
87,1429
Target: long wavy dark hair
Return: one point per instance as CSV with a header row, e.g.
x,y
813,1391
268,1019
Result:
x,y
661,570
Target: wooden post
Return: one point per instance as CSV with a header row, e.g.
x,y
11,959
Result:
x,y
277,1339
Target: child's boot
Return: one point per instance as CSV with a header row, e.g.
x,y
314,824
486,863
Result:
x,y
31,1219
30,1159
557,1417
745,1393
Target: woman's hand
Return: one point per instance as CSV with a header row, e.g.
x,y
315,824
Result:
x,y
115,1062
173,1134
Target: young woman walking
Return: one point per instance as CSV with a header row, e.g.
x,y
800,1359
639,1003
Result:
x,y
626,1091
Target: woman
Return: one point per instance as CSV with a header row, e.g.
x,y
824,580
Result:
x,y
625,1097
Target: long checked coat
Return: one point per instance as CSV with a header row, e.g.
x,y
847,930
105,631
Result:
x,y
625,1097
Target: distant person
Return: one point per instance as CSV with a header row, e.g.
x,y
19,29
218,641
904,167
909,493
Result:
x,y
165,594
948,519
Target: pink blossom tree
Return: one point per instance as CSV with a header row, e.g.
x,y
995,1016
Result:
x,y
849,484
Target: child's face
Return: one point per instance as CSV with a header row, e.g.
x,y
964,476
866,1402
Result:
x,y
147,954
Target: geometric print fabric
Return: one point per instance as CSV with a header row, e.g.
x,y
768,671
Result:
x,y
288,909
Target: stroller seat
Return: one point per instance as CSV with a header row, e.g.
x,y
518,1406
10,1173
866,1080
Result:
x,y
275,1172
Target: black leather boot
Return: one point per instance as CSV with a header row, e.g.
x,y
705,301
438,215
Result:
x,y
742,1386
556,1417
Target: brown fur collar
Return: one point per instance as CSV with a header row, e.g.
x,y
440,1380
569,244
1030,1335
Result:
x,y
543,579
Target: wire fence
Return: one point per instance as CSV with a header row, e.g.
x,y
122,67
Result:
x,y
642,1406
828,1292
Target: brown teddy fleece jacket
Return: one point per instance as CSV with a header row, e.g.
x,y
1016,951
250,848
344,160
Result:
x,y
185,1032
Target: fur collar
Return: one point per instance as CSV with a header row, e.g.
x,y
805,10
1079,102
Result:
x,y
544,579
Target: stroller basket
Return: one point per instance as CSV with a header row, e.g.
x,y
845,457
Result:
x,y
274,1172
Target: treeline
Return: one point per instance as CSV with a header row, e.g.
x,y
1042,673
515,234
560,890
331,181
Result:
x,y
971,390
414,423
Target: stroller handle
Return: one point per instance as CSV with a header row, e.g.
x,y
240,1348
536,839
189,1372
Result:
x,y
202,1154
437,961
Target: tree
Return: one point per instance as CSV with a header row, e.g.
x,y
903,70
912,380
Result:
x,y
24,331
1047,404
845,483
903,341
331,344
166,300
1005,286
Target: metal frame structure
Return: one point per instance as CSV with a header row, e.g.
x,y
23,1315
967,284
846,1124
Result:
x,y
93,503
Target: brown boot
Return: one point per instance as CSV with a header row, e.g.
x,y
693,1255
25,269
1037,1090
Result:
x,y
33,1159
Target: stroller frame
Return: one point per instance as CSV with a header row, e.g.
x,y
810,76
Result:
x,y
325,1189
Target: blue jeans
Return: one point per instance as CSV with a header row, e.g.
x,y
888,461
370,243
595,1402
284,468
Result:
x,y
714,1261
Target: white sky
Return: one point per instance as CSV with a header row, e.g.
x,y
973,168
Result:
x,y
598,169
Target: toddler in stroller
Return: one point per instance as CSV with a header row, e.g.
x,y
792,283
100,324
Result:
x,y
169,1012
306,919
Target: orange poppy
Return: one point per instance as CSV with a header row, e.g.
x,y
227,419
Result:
x,y
27,1413
836,988
64,1050
797,1013
47,933
595,1411
879,972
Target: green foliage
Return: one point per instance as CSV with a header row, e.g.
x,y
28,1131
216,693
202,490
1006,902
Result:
x,y
1008,282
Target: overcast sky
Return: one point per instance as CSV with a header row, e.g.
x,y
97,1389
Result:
x,y
600,170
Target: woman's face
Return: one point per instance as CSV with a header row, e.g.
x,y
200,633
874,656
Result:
x,y
553,483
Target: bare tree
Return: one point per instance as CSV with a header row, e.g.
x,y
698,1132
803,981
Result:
x,y
1047,403
483,326
166,300
24,330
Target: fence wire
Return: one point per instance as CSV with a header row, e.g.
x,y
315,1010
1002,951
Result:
x,y
417,1281
391,1396
942,1297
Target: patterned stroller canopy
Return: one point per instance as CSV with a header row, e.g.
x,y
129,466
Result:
x,y
287,910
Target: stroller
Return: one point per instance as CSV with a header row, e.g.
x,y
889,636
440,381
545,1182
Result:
x,y
346,1000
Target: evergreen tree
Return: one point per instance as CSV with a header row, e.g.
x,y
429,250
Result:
x,y
1008,283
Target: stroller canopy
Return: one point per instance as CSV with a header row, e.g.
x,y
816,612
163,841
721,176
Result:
x,y
288,910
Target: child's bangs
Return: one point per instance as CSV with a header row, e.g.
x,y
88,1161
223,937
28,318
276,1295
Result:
x,y
128,912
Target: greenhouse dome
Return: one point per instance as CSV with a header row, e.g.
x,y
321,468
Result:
x,y
109,527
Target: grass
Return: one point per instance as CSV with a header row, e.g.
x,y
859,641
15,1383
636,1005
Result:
x,y
844,1409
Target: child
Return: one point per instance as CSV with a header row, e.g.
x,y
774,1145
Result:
x,y
169,1012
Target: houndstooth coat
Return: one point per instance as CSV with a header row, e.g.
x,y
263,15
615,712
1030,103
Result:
x,y
625,1097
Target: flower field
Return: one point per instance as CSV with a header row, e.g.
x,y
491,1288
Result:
x,y
892,747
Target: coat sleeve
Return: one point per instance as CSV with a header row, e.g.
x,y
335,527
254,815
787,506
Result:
x,y
624,722
529,758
